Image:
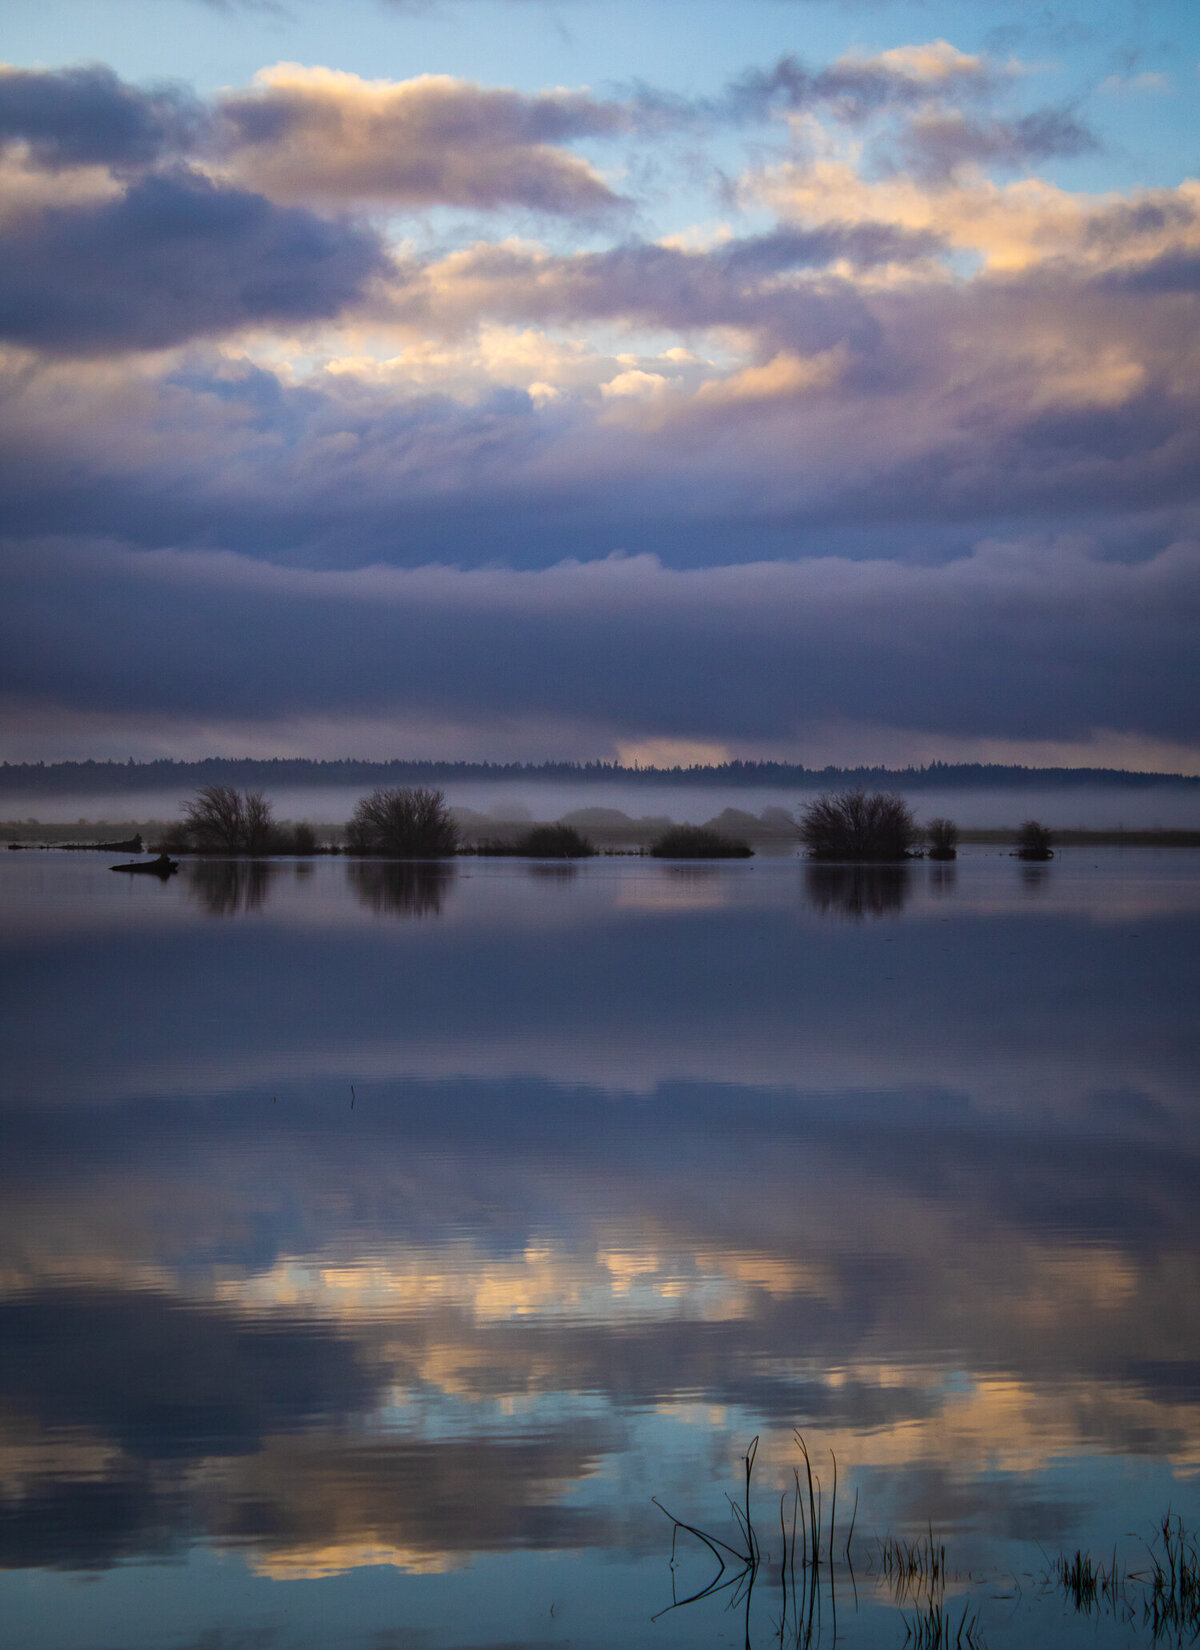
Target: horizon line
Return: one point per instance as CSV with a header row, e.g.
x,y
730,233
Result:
x,y
591,768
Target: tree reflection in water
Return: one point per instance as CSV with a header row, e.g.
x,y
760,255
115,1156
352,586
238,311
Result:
x,y
226,886
857,891
402,888
943,879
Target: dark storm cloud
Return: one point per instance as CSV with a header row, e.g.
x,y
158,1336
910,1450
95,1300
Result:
x,y
176,256
86,116
1020,640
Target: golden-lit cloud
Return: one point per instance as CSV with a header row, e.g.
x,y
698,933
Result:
x,y
316,134
1010,226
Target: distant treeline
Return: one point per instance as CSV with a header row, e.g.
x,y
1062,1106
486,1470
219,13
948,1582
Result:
x,y
83,778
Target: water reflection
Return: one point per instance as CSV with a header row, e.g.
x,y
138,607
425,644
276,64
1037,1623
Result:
x,y
417,1331
401,888
758,1183
943,878
551,871
853,892
226,886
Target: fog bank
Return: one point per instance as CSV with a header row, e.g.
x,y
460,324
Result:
x,y
1092,808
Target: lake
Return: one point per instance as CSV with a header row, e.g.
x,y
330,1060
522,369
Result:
x,y
378,1240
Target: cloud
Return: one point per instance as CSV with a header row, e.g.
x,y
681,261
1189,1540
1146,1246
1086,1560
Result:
x,y
901,367
313,134
831,384
936,143
882,413
176,256
1021,640
740,283
927,109
86,116
856,88
1010,226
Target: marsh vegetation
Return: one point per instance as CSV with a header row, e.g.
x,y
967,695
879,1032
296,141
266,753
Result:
x,y
942,837
859,825
560,841
1161,1591
698,842
812,1558
1034,841
222,820
408,822
805,1557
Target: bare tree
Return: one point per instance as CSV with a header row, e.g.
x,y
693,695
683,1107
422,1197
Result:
x,y
220,820
259,831
405,823
859,825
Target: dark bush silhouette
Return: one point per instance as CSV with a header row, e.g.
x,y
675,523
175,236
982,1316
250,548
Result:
x,y
698,842
1034,841
858,825
555,842
304,840
539,842
858,890
942,837
404,890
409,822
222,820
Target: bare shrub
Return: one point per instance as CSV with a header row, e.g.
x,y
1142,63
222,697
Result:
x,y
221,820
554,842
1034,841
408,822
304,839
859,825
698,842
942,837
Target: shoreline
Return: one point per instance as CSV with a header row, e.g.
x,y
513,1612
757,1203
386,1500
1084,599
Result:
x,y
96,835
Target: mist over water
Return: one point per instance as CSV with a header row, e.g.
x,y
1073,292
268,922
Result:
x,y
1092,807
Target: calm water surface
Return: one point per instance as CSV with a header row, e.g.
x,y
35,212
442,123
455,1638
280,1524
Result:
x,y
375,1241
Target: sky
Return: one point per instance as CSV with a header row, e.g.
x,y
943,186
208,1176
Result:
x,y
663,381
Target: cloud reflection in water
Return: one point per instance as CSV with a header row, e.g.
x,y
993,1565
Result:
x,y
461,1317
